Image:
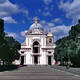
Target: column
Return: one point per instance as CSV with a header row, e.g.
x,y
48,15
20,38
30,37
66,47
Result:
x,y
32,59
24,59
38,59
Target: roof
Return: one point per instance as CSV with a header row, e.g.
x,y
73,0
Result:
x,y
50,34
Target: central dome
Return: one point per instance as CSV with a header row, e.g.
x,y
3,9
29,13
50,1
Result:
x,y
39,26
36,24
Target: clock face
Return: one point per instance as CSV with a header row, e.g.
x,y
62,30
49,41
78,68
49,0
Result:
x,y
50,40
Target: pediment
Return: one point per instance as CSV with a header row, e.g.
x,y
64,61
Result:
x,y
35,31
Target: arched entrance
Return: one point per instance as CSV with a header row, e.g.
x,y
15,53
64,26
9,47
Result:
x,y
36,47
36,50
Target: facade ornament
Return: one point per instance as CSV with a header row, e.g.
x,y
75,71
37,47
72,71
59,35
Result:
x,y
38,40
36,21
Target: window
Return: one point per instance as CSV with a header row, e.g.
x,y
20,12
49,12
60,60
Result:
x,y
22,52
36,47
49,52
50,40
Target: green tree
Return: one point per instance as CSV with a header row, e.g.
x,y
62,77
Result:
x,y
2,41
2,33
9,47
14,47
68,48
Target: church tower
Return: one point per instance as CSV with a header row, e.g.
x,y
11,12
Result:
x,y
50,38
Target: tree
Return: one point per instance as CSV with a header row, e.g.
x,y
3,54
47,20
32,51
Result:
x,y
2,41
2,34
14,47
79,21
9,47
68,48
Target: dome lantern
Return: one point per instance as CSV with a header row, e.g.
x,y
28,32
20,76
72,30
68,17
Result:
x,y
36,21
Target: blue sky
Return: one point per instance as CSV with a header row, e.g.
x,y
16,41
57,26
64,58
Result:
x,y
55,15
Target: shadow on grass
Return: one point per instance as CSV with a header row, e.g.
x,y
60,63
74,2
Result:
x,y
8,67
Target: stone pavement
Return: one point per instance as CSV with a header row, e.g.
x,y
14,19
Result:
x,y
37,73
75,71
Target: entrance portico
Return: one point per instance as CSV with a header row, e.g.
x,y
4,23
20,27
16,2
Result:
x,y
35,59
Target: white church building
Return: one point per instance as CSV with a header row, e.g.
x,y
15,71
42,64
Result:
x,y
38,47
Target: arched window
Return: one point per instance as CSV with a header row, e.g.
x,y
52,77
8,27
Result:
x,y
22,52
49,52
50,40
36,47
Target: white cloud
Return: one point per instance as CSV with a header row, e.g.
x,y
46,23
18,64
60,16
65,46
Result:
x,y
1,1
22,33
17,36
7,9
47,2
12,34
72,9
46,25
50,24
56,20
43,22
9,20
58,31
46,13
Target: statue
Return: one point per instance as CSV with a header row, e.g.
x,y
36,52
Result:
x,y
36,21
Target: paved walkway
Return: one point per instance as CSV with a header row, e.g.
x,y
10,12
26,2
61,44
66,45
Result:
x,y
75,71
37,73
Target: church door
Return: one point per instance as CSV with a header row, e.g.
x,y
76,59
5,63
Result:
x,y
35,59
49,60
22,60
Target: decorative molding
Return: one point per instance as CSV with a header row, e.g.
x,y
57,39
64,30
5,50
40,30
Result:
x,y
48,48
38,40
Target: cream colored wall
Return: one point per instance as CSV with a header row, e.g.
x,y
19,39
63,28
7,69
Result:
x,y
29,43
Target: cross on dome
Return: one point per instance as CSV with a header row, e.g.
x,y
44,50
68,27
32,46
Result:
x,y
36,21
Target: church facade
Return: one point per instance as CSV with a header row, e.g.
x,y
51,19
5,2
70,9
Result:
x,y
38,47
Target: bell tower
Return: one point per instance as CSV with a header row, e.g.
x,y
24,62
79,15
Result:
x,y
50,38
